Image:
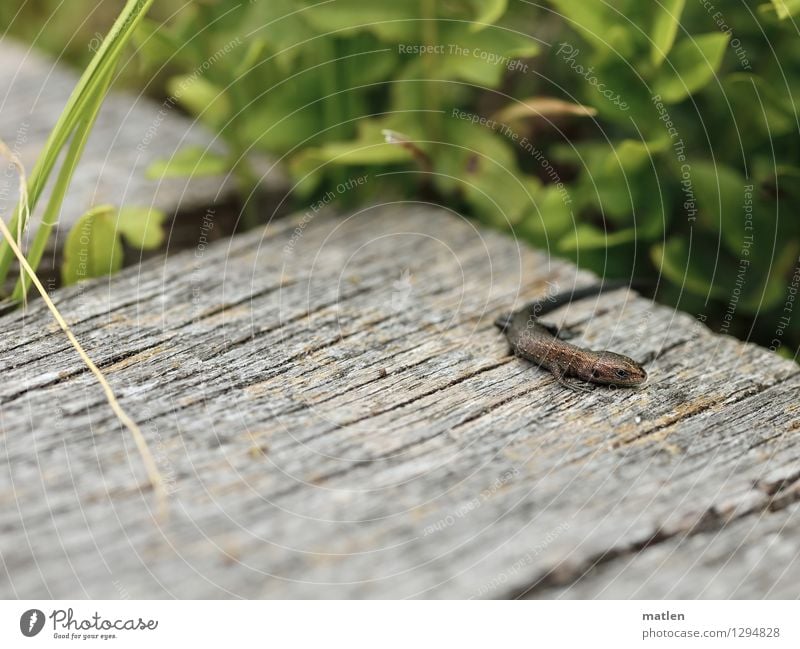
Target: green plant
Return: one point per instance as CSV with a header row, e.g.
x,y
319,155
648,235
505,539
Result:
x,y
693,179
647,139
71,30
94,245
69,135
73,126
316,84
660,154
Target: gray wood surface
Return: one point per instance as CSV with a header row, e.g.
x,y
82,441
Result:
x,y
336,416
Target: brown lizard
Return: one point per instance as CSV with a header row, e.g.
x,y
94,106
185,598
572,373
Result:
x,y
543,344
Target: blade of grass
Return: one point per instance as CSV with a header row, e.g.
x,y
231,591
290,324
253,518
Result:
x,y
63,180
85,90
23,197
154,476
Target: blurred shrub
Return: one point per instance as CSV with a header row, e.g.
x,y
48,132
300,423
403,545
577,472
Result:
x,y
698,172
648,139
70,30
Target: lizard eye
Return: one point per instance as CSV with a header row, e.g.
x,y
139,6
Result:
x,y
622,374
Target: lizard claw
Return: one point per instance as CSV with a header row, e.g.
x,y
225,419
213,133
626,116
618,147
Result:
x,y
575,386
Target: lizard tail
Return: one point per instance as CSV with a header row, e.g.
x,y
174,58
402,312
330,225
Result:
x,y
545,305
503,321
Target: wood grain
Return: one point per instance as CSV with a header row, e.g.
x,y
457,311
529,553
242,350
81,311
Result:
x,y
337,417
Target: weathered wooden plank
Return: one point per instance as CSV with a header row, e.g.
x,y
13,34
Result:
x,y
753,556
337,416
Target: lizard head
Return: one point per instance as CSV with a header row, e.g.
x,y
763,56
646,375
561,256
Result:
x,y
614,369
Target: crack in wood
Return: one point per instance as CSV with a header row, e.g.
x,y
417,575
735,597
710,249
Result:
x,y
709,521
700,408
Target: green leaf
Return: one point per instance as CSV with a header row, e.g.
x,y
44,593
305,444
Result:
x,y
142,227
190,162
358,152
769,288
551,217
665,27
731,205
290,113
281,28
592,18
786,8
615,89
201,98
498,194
759,106
252,55
375,67
781,179
621,186
369,148
588,237
391,21
737,280
475,158
692,64
92,248
720,194
398,21
632,155
487,13
481,57
691,270
154,43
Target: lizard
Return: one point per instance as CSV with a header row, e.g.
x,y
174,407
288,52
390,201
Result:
x,y
544,344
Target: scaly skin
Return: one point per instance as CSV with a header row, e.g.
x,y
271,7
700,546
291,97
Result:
x,y
536,342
